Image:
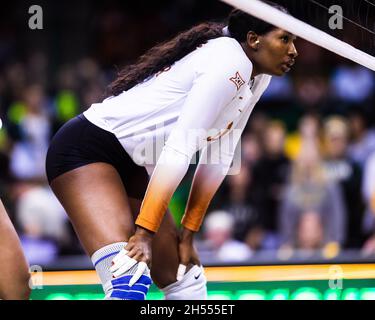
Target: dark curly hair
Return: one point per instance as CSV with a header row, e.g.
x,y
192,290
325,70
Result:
x,y
163,56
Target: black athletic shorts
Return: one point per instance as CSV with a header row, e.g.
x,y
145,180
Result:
x,y
79,142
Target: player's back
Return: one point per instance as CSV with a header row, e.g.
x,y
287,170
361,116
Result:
x,y
159,99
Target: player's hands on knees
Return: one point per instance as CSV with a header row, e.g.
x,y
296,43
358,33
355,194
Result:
x,y
139,246
187,252
138,252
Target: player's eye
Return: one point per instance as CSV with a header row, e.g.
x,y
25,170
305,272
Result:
x,y
285,39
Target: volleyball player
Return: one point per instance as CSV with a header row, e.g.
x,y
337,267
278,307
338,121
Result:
x,y
14,270
192,92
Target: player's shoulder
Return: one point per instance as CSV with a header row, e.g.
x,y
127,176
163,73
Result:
x,y
228,53
224,42
228,48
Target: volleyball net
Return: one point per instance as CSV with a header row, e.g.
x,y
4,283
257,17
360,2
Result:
x,y
323,23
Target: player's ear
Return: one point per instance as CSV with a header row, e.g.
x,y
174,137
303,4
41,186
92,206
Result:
x,y
252,40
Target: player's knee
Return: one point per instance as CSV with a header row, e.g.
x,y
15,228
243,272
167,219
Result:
x,y
193,286
119,288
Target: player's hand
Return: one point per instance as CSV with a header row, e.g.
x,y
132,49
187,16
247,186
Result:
x,y
187,252
137,251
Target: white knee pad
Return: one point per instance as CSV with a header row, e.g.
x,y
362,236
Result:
x,y
193,286
118,288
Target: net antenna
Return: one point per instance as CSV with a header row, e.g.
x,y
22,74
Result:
x,y
303,30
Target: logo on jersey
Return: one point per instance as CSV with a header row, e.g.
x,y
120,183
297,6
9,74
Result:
x,y
237,80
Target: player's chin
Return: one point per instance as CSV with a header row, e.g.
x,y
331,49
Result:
x,y
286,68
277,72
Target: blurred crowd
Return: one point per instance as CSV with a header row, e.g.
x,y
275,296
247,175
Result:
x,y
307,181
30,117
298,193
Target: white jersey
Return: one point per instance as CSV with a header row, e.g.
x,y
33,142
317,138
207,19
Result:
x,y
202,102
206,91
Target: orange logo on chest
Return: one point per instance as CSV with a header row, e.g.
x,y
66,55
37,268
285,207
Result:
x,y
237,80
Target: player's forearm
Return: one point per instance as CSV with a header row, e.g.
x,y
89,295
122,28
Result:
x,y
168,173
207,181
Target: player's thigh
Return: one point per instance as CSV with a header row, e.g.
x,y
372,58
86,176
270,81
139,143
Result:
x,y
165,257
97,204
14,271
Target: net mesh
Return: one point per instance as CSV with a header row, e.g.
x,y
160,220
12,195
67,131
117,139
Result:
x,y
358,19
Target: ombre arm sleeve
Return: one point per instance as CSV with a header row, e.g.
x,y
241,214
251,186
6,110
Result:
x,y
214,165
211,92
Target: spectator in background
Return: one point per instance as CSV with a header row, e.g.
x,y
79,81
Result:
x,y
309,231
270,175
80,84
15,80
218,234
308,129
347,174
362,140
369,196
237,199
29,151
66,101
42,222
257,122
251,149
311,193
37,66
91,80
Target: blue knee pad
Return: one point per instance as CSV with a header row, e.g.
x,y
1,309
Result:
x,y
122,290
118,288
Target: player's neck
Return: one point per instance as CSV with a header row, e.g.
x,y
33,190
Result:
x,y
249,54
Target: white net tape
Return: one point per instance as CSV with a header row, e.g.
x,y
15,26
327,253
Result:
x,y
303,30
